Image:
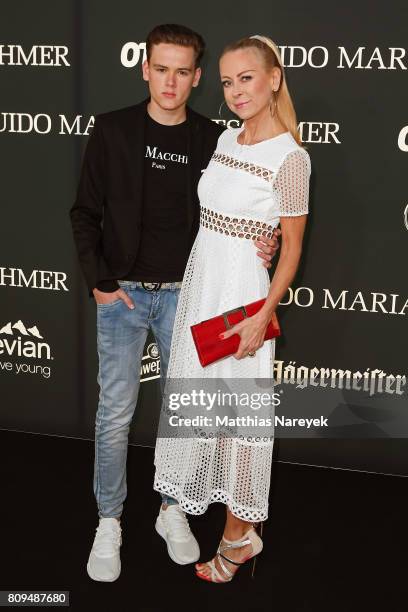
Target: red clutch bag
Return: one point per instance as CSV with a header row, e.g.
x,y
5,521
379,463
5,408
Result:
x,y
211,348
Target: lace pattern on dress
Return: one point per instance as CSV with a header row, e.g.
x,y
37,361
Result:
x,y
237,164
291,184
234,226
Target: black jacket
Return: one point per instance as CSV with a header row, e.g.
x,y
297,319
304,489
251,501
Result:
x,y
106,215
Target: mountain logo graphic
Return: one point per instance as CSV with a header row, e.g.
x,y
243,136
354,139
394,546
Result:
x,y
22,329
18,340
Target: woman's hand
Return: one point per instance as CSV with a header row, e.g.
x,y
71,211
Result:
x,y
267,247
252,334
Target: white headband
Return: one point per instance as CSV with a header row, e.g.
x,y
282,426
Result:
x,y
270,44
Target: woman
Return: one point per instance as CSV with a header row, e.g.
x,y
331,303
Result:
x,y
257,178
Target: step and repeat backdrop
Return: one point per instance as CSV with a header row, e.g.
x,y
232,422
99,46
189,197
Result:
x,y
345,315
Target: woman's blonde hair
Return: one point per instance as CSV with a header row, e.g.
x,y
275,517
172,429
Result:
x,y
271,57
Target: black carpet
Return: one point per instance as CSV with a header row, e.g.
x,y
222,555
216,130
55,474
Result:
x,y
335,540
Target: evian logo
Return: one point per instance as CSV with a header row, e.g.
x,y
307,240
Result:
x,y
19,341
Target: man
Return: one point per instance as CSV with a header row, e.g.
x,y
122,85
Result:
x,y
134,221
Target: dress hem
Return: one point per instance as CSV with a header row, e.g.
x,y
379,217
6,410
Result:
x,y
251,515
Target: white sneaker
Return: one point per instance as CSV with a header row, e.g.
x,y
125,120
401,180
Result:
x,y
104,559
173,527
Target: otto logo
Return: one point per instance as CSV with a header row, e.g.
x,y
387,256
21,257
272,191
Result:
x,y
150,368
132,53
17,341
403,139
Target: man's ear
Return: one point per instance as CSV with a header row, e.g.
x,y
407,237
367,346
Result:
x,y
197,76
145,70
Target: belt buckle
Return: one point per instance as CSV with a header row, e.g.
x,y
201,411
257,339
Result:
x,y
151,286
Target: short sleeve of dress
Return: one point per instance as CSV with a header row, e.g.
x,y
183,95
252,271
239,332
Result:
x,y
291,184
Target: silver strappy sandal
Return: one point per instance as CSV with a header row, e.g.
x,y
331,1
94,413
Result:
x,y
250,537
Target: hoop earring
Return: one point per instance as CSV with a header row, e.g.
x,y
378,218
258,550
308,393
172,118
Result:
x,y
273,99
219,110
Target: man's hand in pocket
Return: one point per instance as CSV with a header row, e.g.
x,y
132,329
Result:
x,y
102,297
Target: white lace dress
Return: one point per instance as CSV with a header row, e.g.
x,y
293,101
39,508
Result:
x,y
243,192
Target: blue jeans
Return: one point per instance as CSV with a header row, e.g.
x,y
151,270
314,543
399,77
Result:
x,y
121,336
